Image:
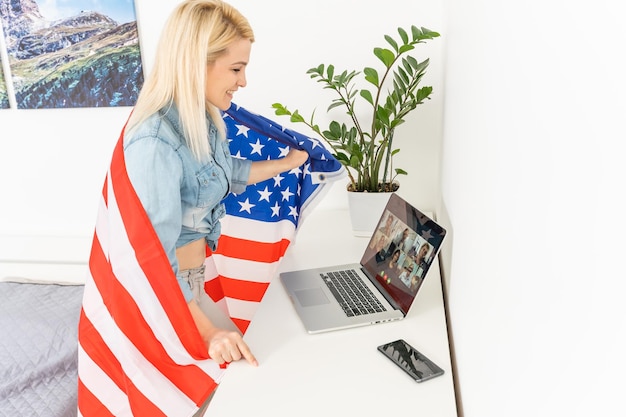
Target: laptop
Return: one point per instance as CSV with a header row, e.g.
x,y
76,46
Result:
x,y
385,283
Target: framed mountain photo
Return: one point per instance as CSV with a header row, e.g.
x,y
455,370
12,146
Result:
x,y
68,54
4,97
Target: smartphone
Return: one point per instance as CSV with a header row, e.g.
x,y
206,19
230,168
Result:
x,y
410,360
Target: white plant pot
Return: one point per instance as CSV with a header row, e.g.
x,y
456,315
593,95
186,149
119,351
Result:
x,y
365,211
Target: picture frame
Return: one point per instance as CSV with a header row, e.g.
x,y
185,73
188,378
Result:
x,y
72,56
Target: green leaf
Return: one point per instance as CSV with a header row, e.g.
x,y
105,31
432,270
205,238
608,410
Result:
x,y
371,75
342,157
383,115
423,93
407,66
405,48
412,62
391,42
402,74
350,76
330,71
340,80
400,171
419,34
335,104
280,110
367,96
354,162
395,95
296,117
398,85
427,33
403,35
385,55
420,66
335,129
396,122
316,71
416,33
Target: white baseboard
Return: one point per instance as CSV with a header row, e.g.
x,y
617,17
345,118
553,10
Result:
x,y
44,258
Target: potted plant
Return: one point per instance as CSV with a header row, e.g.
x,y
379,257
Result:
x,y
365,144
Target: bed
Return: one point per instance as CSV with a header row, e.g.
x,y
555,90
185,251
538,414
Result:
x,y
38,348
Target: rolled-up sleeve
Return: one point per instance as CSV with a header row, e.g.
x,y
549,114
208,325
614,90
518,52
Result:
x,y
240,175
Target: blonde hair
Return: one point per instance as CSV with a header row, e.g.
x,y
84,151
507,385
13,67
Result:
x,y
195,29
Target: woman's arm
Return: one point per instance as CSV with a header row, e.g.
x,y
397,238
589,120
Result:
x,y
224,345
263,170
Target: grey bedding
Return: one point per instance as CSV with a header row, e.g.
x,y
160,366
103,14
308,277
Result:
x,y
38,349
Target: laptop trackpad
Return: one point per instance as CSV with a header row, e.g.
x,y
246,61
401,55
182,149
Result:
x,y
311,297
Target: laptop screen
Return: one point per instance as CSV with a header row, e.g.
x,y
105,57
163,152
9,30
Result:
x,y
403,246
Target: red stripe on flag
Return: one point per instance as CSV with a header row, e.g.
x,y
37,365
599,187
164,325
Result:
x,y
214,289
89,405
190,379
105,191
250,250
95,347
243,290
241,324
152,258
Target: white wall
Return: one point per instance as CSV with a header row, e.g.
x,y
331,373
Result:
x,y
532,176
533,184
53,162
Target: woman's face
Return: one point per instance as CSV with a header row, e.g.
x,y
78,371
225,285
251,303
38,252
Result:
x,y
227,74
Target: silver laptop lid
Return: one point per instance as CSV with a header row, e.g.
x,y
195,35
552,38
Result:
x,y
402,248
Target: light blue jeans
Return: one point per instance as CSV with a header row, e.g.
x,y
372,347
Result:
x,y
195,279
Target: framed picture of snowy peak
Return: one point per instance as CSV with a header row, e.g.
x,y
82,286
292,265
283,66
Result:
x,y
75,53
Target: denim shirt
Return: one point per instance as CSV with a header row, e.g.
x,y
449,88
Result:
x,y
181,196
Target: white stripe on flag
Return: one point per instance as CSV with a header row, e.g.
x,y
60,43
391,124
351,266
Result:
x,y
243,269
241,309
256,230
98,382
148,379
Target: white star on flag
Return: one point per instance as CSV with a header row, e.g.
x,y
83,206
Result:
x,y
275,209
256,147
296,171
277,180
246,205
315,143
283,151
242,130
286,194
265,194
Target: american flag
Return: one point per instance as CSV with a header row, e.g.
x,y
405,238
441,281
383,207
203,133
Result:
x,y
261,222
139,351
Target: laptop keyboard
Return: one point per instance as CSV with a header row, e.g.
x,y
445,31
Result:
x,y
354,297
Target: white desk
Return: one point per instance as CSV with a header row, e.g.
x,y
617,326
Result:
x,y
336,373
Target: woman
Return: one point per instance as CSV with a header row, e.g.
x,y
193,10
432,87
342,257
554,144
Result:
x,y
178,162
393,262
166,145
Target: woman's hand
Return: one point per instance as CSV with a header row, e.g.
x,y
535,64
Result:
x,y
227,346
223,345
263,170
295,158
